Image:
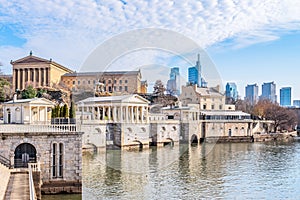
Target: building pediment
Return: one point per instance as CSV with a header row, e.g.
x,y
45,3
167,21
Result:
x,y
30,59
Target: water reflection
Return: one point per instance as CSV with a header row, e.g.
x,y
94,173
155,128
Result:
x,y
230,171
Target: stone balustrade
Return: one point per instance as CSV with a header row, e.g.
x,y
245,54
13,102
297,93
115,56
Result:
x,y
24,128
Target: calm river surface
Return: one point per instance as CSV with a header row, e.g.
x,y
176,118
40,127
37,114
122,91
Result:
x,y
221,171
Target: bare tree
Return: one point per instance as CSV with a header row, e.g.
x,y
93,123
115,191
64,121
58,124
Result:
x,y
159,88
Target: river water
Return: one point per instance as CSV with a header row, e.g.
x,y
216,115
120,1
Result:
x,y
207,171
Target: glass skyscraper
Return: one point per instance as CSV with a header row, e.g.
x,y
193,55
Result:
x,y
252,93
269,91
285,96
231,91
173,84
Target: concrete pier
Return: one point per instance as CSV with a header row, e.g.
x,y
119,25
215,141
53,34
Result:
x,y
18,186
5,175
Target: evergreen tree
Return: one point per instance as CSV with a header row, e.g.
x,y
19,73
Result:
x,y
72,110
65,111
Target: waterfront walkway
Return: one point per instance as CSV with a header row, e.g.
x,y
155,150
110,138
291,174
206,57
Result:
x,y
18,186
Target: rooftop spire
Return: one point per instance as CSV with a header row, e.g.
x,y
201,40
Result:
x,y
30,53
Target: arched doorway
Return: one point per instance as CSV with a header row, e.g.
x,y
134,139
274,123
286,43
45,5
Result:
x,y
194,139
25,153
8,116
170,142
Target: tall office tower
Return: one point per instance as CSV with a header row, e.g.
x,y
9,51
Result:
x,y
231,92
195,76
252,93
269,91
285,96
173,84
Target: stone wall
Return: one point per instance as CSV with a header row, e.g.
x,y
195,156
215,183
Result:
x,y
165,131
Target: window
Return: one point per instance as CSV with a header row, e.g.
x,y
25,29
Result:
x,y
204,107
220,107
57,160
109,89
89,82
60,160
120,88
78,82
54,147
126,88
73,82
120,81
109,81
126,81
94,82
115,81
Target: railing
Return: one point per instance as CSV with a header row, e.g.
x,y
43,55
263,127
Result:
x,y
29,128
32,167
5,161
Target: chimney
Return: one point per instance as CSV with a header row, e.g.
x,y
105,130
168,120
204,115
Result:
x,y
15,97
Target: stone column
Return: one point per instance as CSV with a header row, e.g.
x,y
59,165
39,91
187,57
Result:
x,y
46,117
142,114
137,113
23,79
132,117
126,114
39,77
29,114
114,113
109,113
38,113
45,77
98,113
19,79
14,79
103,113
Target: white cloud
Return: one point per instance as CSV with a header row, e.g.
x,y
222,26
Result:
x,y
69,30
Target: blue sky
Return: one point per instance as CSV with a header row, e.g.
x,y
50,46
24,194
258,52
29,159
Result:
x,y
249,41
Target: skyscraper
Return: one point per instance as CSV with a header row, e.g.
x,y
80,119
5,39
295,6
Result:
x,y
285,96
252,93
231,92
269,91
193,76
173,84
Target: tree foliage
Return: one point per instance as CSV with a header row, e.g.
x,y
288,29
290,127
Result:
x,y
29,92
72,110
284,119
159,88
5,90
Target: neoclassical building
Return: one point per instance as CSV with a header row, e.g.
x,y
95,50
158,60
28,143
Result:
x,y
35,71
27,111
117,82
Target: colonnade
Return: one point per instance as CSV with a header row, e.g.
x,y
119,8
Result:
x,y
35,76
128,113
40,116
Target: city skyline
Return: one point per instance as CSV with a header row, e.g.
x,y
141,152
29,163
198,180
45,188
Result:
x,y
249,42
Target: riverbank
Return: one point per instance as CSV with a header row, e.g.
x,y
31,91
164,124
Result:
x,y
289,136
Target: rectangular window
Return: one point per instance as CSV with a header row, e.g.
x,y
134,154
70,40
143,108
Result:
x,y
54,164
60,160
126,88
115,81
126,81
109,89
212,107
109,81
78,82
89,82
73,82
115,88
120,81
120,88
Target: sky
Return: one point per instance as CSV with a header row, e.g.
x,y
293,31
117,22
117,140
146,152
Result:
x,y
249,41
